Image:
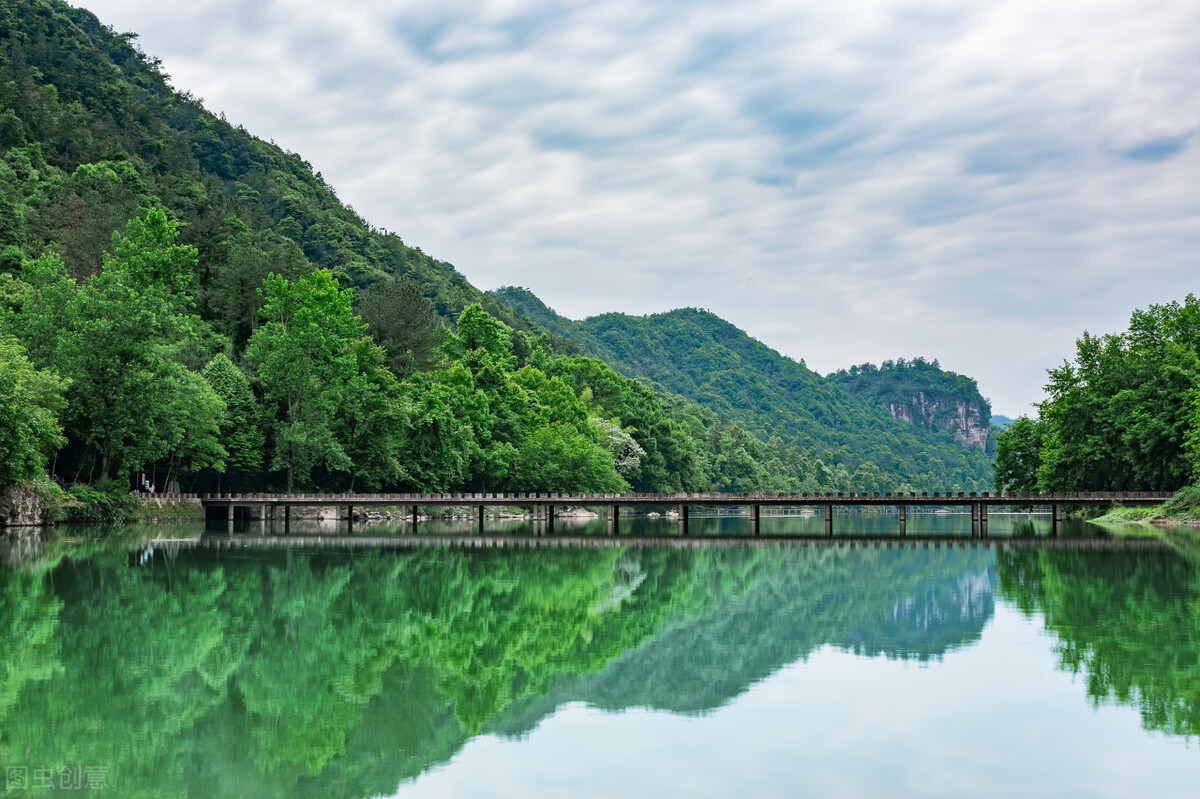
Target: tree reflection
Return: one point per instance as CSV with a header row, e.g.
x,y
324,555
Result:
x,y
1128,621
310,673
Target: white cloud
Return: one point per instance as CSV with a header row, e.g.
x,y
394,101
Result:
x,y
976,183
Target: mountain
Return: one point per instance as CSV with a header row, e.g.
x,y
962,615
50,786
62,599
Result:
x,y
920,393
93,135
842,419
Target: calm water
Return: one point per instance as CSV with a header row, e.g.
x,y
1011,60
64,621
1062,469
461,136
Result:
x,y
775,671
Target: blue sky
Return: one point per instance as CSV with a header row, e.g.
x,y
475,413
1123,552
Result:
x,y
849,182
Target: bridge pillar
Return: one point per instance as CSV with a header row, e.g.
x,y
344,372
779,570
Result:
x,y
550,518
229,518
414,519
683,520
828,518
614,519
349,518
974,519
1056,516
983,520
287,518
481,517
755,519
903,519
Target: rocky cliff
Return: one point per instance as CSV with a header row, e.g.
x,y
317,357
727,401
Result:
x,y
921,393
967,422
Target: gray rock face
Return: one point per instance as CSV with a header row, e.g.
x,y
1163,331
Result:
x,y
965,421
20,507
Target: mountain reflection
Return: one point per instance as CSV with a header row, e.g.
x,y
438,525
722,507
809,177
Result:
x,y
311,673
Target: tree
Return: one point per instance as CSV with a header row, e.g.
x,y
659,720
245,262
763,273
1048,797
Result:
x,y
241,429
1118,416
371,420
303,357
121,337
405,323
1018,456
30,401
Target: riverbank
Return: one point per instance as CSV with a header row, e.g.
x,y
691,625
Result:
x,y
1181,509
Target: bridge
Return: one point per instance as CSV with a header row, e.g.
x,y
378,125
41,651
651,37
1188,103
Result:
x,y
270,507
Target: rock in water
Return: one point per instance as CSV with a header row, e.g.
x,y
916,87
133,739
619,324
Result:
x,y
20,507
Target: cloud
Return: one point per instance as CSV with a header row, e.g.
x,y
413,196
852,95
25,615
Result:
x,y
854,181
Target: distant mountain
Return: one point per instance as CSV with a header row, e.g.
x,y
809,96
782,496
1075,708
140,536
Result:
x,y
842,420
1002,422
920,393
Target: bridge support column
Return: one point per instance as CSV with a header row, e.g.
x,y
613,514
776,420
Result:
x,y
414,519
550,518
983,520
828,519
287,518
1056,517
262,519
974,519
903,519
229,519
614,519
683,520
755,520
481,517
349,518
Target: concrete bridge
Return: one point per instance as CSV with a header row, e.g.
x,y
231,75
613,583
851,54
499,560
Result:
x,y
273,507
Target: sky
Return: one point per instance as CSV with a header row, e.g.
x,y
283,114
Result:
x,y
848,182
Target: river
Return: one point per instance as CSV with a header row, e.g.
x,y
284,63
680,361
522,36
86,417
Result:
x,y
177,669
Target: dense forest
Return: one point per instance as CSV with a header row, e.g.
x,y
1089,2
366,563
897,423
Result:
x,y
184,301
1123,415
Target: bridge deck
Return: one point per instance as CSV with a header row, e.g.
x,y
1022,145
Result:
x,y
242,541
696,500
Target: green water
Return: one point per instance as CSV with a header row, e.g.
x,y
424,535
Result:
x,y
198,671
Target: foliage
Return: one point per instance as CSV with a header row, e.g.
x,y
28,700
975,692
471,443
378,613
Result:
x,y
1122,415
108,502
302,358
1018,456
121,338
241,428
30,401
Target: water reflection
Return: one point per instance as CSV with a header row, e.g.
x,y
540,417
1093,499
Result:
x,y
206,672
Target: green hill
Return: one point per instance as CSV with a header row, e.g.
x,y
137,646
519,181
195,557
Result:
x,y
843,420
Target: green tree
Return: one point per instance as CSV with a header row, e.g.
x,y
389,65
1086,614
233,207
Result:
x,y
1018,456
1118,416
241,429
405,323
121,338
304,358
30,401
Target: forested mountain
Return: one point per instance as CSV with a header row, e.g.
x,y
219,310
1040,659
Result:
x,y
181,299
852,419
920,393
